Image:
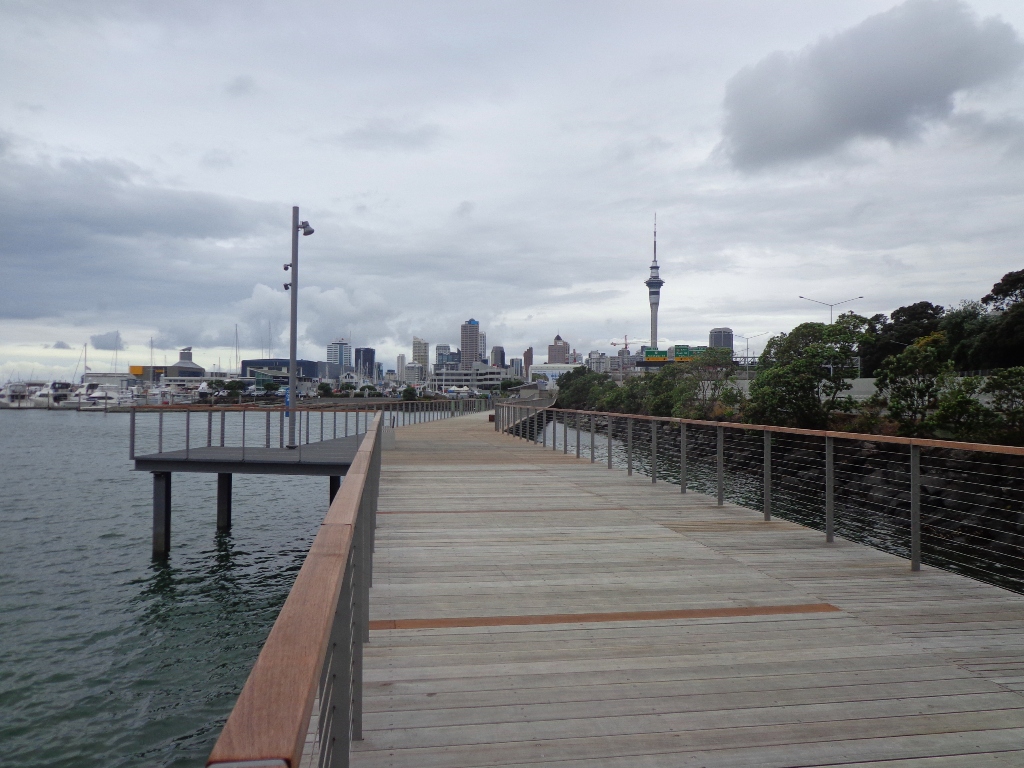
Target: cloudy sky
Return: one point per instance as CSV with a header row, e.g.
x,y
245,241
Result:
x,y
499,160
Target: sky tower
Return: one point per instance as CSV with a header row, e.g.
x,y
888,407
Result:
x,y
654,283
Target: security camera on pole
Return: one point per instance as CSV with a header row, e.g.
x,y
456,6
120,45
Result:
x,y
293,286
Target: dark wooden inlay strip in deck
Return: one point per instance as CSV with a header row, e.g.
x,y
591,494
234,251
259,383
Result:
x,y
590,618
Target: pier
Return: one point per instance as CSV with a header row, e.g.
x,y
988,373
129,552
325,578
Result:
x,y
229,441
529,607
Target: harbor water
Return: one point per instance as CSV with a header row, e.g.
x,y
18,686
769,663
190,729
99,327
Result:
x,y
108,658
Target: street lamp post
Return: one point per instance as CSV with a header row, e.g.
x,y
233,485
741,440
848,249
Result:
x,y
831,369
305,229
747,355
830,306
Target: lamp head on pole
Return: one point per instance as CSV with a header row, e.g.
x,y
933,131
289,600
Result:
x,y
306,229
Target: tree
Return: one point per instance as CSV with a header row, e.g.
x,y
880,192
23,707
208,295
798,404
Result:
x,y
801,375
1007,292
908,384
966,328
507,384
1006,390
409,393
889,336
581,388
959,414
704,385
324,389
271,387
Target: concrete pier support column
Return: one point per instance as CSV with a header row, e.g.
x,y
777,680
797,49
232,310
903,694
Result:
x,y
335,485
224,502
161,514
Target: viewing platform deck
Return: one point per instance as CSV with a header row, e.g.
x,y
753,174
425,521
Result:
x,y
531,608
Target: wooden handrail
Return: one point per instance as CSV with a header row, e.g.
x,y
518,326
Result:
x,y
270,720
1013,450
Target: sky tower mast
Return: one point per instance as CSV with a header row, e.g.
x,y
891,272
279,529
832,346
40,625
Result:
x,y
654,283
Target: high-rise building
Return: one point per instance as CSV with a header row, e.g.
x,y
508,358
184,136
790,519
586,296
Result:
x,y
558,351
470,349
400,368
414,373
527,363
421,352
339,351
720,338
654,283
598,362
498,357
445,359
483,345
515,367
366,363
378,372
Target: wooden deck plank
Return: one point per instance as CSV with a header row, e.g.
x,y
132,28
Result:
x,y
918,669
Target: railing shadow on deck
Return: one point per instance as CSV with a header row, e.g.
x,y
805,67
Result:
x,y
953,505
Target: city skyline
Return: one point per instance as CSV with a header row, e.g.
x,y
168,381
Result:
x,y
896,176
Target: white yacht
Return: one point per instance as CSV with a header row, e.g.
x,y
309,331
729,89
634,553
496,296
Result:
x,y
14,394
51,395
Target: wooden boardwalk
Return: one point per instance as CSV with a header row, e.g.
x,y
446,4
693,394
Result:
x,y
530,608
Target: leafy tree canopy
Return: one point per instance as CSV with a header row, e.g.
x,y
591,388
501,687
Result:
x,y
801,375
1007,292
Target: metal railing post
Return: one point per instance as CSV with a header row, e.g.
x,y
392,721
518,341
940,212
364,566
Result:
x,y
334,433
268,429
767,475
915,507
209,429
830,480
576,424
223,418
565,433
131,435
544,429
160,433
346,422
243,435
682,458
654,451
188,426
592,419
721,466
321,426
608,419
280,431
629,446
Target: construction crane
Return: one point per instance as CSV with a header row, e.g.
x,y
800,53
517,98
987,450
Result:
x,y
624,342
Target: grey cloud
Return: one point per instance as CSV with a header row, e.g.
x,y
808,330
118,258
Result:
x,y
884,78
104,235
217,159
243,85
388,135
109,340
1005,130
61,345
